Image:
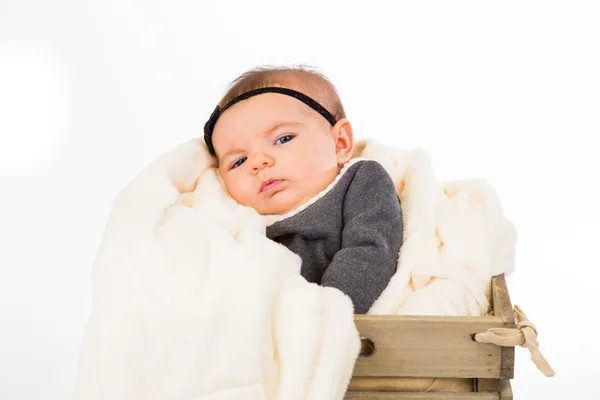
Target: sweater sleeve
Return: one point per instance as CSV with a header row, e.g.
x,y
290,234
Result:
x,y
371,238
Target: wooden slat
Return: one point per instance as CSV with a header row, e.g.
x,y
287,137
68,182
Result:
x,y
364,383
505,390
501,300
419,396
487,385
503,308
413,346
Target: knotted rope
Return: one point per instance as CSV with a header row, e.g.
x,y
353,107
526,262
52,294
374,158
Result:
x,y
524,335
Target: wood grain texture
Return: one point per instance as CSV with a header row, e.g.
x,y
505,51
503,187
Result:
x,y
505,390
503,308
419,396
501,303
487,385
434,347
412,384
424,357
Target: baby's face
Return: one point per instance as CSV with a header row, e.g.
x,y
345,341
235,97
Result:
x,y
275,153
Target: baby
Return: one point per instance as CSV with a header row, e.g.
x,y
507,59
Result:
x,y
284,147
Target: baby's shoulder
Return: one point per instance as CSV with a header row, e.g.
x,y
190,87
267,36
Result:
x,y
371,172
372,191
366,166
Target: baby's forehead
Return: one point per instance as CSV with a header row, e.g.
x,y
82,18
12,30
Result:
x,y
264,111
258,115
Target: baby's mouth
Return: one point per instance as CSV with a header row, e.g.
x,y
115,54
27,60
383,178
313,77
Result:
x,y
271,184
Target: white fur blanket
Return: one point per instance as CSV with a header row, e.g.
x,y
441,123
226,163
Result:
x,y
191,300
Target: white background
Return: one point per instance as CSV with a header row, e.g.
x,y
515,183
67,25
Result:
x,y
91,92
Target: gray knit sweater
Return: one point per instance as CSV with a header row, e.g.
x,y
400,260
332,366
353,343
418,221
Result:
x,y
349,238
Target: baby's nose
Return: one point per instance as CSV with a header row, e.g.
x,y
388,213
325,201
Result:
x,y
261,161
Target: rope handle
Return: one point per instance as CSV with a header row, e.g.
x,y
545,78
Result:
x,y
524,335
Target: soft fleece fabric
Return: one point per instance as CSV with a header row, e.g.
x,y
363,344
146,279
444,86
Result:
x,y
191,300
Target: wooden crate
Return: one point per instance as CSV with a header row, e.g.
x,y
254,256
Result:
x,y
414,357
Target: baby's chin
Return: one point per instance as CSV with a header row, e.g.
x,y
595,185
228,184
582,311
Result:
x,y
272,206
279,206
274,209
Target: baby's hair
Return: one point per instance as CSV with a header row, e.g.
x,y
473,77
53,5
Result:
x,y
303,78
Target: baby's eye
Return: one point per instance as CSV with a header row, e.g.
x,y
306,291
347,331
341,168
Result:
x,y
284,139
238,163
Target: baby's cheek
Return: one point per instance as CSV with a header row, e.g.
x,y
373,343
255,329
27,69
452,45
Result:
x,y
235,190
243,197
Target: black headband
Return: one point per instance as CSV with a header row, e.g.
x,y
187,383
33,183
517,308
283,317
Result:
x,y
210,124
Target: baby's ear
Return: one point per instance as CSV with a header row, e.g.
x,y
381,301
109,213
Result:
x,y
344,140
